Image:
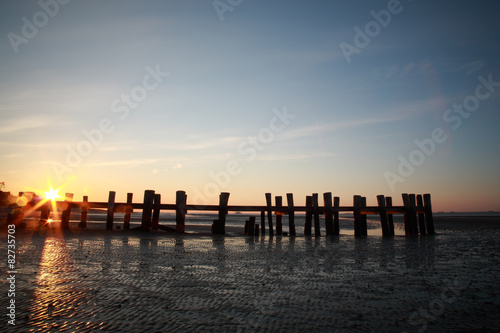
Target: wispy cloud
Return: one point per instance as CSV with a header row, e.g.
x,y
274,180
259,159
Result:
x,y
127,163
21,124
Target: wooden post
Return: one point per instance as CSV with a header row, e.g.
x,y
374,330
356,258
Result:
x,y
156,211
85,209
308,223
407,216
382,210
251,226
269,214
128,212
360,228
180,211
317,230
44,213
421,216
67,211
327,198
291,214
257,230
429,221
336,224
245,229
146,209
413,214
263,222
111,210
390,218
279,223
223,200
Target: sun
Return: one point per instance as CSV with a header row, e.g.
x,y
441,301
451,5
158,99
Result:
x,y
52,194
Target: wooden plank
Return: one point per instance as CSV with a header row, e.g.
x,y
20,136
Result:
x,y
390,218
128,212
336,219
85,208
180,211
421,216
67,211
156,212
111,210
223,200
279,224
327,198
429,221
146,209
308,223
383,216
291,214
269,214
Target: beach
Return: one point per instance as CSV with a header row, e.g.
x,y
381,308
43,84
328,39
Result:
x,y
132,281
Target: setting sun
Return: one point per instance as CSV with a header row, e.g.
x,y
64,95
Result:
x,y
52,194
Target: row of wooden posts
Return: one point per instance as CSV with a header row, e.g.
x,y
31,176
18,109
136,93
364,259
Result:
x,y
417,212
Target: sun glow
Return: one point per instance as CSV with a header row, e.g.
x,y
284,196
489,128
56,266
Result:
x,y
52,194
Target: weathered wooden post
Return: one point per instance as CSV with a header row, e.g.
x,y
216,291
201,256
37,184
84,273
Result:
x,y
291,214
111,210
327,198
359,223
180,211
85,209
128,212
390,217
309,213
251,226
279,223
156,211
413,214
421,215
382,210
407,213
223,201
67,211
44,213
269,214
147,207
429,220
336,223
263,222
317,230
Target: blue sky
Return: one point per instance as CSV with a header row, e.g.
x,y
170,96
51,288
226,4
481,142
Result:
x,y
349,124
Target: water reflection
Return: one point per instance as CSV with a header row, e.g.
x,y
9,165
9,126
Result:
x,y
57,295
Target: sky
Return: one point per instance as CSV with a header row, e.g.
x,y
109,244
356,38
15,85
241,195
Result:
x,y
248,97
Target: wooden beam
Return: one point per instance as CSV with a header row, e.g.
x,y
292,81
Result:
x,y
336,222
85,209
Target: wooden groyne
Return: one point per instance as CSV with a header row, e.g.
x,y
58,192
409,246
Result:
x,y
417,211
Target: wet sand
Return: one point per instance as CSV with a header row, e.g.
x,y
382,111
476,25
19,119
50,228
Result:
x,y
130,281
